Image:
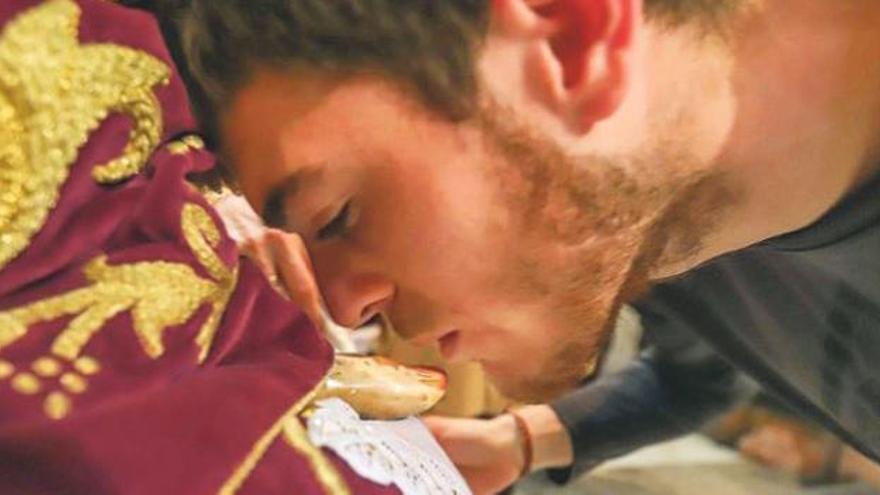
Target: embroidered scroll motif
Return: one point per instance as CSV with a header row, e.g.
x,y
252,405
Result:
x,y
53,93
158,295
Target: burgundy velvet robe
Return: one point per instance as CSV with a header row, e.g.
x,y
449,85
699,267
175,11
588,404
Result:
x,y
113,378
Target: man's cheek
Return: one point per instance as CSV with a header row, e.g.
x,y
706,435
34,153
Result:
x,y
513,362
485,344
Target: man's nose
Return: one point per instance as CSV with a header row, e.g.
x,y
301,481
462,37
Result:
x,y
354,300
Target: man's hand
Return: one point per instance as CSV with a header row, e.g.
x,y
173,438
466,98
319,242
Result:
x,y
489,453
283,258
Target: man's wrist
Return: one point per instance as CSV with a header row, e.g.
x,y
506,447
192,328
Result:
x,y
550,441
524,440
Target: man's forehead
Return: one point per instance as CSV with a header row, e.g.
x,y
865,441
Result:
x,y
273,130
268,101
255,122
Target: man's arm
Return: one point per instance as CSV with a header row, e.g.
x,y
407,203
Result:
x,y
674,387
669,390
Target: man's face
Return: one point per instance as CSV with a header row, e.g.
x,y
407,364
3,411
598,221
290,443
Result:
x,y
509,238
482,235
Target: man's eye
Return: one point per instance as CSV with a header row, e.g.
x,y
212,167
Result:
x,y
338,225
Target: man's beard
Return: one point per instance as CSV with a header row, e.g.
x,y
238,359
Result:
x,y
618,221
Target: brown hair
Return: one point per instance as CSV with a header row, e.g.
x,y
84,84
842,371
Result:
x,y
426,45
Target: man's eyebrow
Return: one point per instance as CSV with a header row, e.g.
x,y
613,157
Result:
x,y
274,214
274,211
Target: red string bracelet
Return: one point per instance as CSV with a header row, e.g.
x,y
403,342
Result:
x,y
522,429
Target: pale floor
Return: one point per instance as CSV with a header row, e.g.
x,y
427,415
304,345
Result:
x,y
689,466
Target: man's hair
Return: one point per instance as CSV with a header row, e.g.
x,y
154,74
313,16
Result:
x,y
710,13
427,46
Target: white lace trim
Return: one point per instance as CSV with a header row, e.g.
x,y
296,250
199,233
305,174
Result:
x,y
400,452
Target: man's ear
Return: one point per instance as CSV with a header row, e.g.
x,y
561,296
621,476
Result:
x,y
581,55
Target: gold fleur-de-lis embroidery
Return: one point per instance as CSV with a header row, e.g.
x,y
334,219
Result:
x,y
157,294
53,93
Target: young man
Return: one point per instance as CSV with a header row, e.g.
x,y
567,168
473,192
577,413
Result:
x,y
498,177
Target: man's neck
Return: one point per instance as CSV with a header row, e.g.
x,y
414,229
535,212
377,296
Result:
x,y
804,84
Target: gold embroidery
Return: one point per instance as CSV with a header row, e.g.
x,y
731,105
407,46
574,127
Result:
x,y
56,406
241,473
87,365
6,369
159,295
178,148
53,93
193,141
73,383
327,475
26,383
186,144
10,329
202,235
46,367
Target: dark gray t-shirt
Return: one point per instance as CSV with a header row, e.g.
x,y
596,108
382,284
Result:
x,y
799,313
